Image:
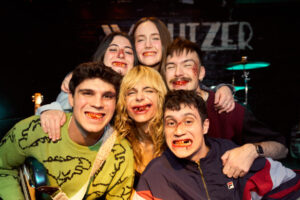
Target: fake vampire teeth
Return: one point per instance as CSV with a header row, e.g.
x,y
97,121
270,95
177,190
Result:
x,y
149,53
182,143
95,115
119,64
141,108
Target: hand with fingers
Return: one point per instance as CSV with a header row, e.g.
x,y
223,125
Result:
x,y
237,161
51,121
224,101
60,196
65,84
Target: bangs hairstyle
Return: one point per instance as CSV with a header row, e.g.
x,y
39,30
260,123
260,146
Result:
x,y
106,41
92,70
126,126
165,36
174,99
178,46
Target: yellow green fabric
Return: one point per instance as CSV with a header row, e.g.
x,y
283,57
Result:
x,y
68,164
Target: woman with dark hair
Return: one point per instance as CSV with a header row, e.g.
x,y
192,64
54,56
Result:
x,y
151,38
117,51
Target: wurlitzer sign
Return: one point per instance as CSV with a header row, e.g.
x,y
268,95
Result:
x,y
212,36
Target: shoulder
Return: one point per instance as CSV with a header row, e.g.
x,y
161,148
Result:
x,y
123,142
123,148
157,165
220,143
32,123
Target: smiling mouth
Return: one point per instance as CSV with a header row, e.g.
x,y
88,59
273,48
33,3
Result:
x,y
119,64
143,108
180,83
182,143
94,115
149,53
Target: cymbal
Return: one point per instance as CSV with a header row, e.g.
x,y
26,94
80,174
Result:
x,y
242,65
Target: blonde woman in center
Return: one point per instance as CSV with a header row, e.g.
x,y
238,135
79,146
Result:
x,y
139,114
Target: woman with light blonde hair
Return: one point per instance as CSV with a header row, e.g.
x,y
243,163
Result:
x,y
139,114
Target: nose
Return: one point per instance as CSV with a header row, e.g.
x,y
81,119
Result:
x,y
148,43
121,53
140,96
97,102
180,129
178,71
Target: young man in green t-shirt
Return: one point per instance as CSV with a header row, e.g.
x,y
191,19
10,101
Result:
x,y
69,161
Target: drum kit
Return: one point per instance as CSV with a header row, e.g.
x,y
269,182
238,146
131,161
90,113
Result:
x,y
244,65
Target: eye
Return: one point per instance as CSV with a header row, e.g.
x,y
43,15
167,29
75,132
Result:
x,y
150,90
129,52
112,49
130,92
188,65
188,122
170,123
156,38
87,93
109,95
170,67
140,39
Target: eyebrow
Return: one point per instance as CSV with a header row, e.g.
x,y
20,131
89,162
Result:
x,y
144,88
119,46
85,90
185,114
91,90
188,60
143,35
109,93
170,63
148,87
185,61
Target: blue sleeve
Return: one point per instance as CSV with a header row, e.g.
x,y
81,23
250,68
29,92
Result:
x,y
61,103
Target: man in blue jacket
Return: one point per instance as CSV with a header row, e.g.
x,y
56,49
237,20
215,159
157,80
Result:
x,y
191,167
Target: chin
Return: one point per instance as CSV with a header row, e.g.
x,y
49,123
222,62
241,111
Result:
x,y
144,120
150,63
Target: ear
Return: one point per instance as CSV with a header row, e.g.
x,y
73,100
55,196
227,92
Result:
x,y
201,73
71,99
205,126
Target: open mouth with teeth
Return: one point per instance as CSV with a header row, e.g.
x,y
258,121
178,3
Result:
x,y
119,64
180,83
182,143
141,109
94,115
149,53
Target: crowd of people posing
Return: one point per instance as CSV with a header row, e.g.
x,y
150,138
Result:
x,y
141,100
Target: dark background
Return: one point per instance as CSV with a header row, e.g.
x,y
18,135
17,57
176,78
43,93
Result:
x,y
42,41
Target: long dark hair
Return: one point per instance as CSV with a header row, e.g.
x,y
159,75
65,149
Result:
x,y
164,33
100,52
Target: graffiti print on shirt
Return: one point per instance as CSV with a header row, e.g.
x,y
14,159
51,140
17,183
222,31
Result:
x,y
119,158
9,137
23,143
71,166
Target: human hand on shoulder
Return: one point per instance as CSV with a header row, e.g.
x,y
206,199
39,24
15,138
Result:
x,y
51,121
237,161
224,101
65,84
